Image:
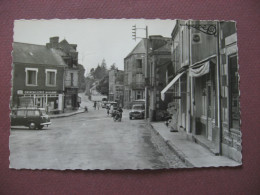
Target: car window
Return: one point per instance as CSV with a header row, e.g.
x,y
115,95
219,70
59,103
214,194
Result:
x,y
31,113
21,112
138,107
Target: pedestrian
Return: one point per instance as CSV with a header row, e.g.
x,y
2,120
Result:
x,y
108,110
174,120
98,105
95,105
112,109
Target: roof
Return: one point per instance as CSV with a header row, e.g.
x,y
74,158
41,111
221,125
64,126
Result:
x,y
36,54
165,48
66,47
140,48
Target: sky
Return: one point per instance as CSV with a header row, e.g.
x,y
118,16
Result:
x,y
97,39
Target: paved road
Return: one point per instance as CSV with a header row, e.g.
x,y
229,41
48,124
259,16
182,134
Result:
x,y
86,141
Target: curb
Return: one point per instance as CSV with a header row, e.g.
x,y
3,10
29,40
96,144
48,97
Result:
x,y
67,115
174,149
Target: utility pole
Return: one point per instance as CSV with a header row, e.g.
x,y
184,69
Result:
x,y
134,29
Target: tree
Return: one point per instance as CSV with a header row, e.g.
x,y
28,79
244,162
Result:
x,y
103,64
82,82
113,67
103,86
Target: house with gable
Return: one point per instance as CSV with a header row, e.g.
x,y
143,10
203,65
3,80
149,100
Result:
x,y
134,74
69,54
37,77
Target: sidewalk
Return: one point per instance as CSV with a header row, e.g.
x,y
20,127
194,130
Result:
x,y
79,111
192,154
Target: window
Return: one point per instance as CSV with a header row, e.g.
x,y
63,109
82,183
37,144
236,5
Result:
x,y
138,95
51,77
234,106
71,79
33,113
139,63
31,76
21,112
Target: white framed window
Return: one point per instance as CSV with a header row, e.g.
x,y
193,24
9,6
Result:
x,y
31,76
50,77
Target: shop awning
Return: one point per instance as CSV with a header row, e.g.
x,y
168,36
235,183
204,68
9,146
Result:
x,y
201,70
169,85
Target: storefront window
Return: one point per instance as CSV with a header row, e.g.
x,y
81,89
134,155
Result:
x,y
234,106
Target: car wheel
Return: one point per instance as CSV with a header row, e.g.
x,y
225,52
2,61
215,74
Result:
x,y
40,127
130,118
32,125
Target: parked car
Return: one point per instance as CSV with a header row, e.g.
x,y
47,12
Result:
x,y
137,111
30,117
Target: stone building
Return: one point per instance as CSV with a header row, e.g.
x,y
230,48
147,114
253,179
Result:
x,y
160,72
37,77
116,86
69,54
134,74
206,84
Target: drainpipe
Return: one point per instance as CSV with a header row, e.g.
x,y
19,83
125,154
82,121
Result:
x,y
188,98
219,86
146,76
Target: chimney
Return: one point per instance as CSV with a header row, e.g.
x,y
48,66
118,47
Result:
x,y
53,42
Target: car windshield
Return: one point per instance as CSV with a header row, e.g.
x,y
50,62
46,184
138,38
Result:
x,y
138,107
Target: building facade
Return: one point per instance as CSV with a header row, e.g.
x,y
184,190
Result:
x,y
160,71
37,77
134,74
206,85
69,54
116,86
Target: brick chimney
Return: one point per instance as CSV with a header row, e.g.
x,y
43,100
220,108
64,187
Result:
x,y
54,41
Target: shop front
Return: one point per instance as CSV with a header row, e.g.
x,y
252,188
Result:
x,y
71,101
52,101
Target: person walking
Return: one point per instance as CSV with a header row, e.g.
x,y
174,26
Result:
x,y
98,105
108,110
95,105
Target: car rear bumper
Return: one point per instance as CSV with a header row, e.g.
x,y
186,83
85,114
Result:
x,y
135,115
46,123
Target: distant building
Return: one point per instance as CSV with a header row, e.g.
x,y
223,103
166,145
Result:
x,y
134,73
116,86
71,75
37,77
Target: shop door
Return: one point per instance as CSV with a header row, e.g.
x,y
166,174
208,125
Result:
x,y
209,112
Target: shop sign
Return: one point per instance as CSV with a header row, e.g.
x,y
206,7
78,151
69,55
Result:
x,y
50,92
38,92
19,92
33,92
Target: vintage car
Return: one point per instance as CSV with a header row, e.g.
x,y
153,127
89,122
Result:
x,y
29,117
137,111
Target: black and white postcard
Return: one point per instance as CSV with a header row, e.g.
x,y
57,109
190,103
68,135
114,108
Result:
x,y
124,94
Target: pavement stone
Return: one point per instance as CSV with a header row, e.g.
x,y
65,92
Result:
x,y
191,153
67,114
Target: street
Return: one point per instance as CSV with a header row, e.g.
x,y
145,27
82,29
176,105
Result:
x,y
90,140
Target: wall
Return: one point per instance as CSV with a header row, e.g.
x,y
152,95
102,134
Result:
x,y
67,78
